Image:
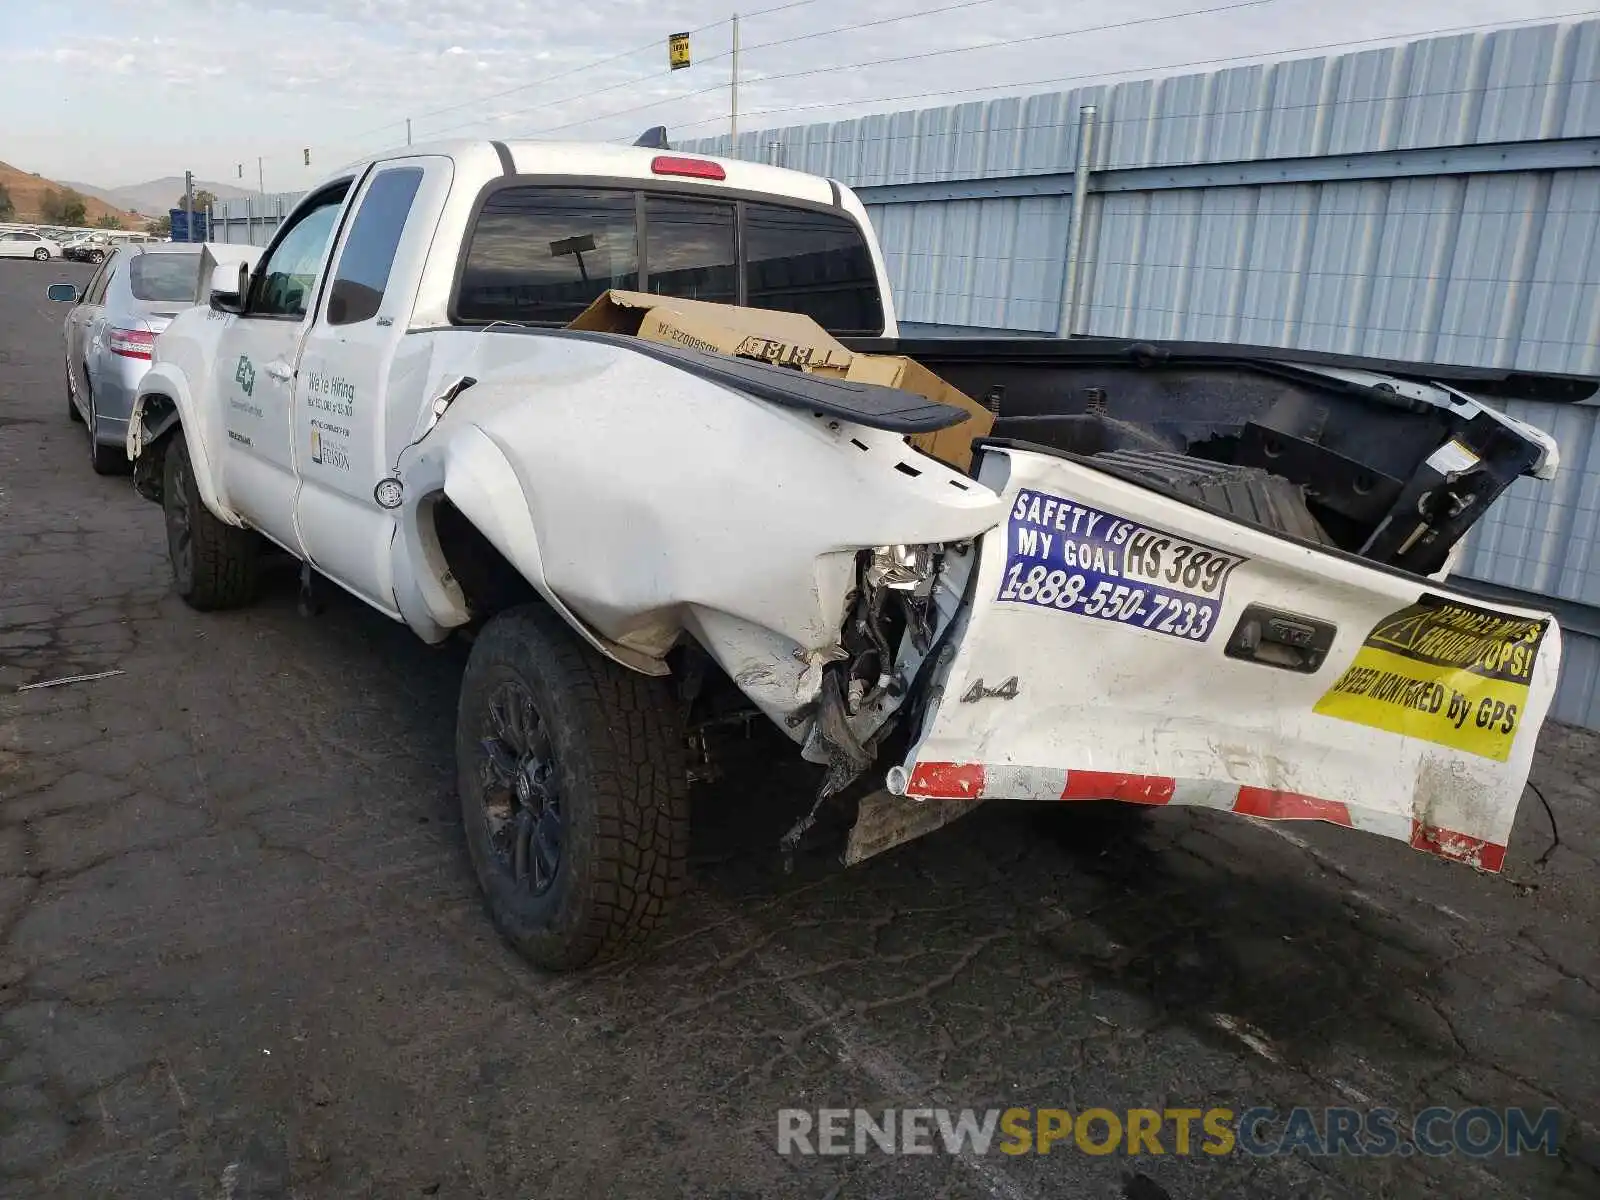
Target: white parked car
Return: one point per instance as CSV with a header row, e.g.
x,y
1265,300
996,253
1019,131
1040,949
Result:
x,y
28,245
1176,574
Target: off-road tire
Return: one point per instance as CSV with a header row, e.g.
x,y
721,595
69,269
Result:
x,y
620,772
223,563
1251,494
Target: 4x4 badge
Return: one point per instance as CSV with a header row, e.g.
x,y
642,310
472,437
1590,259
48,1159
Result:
x,y
1006,691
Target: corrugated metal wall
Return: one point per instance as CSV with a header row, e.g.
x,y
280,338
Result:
x,y
251,220
1454,262
1434,201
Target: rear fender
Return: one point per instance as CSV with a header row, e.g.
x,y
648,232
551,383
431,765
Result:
x,y
162,404
473,471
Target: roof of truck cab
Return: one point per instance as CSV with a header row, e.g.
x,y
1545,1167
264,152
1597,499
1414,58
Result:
x,y
603,160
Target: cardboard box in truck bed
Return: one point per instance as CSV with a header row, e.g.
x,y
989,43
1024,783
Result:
x,y
789,340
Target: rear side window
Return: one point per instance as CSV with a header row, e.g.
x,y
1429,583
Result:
x,y
369,251
167,278
692,249
542,254
816,263
545,253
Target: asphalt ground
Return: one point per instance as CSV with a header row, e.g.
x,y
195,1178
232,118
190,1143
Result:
x,y
242,953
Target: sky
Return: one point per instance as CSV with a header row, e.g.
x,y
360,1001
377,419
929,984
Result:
x,y
115,92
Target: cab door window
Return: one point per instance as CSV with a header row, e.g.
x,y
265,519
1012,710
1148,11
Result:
x,y
283,286
362,275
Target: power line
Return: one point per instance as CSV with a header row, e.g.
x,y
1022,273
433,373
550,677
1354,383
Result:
x,y
804,37
522,87
649,75
720,55
1143,70
654,43
926,54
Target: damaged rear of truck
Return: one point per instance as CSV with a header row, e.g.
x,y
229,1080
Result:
x,y
1220,580
1173,575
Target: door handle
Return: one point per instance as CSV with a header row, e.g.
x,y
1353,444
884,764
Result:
x,y
281,371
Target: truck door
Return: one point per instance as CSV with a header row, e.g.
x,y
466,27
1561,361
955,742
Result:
x,y
255,370
1120,644
343,442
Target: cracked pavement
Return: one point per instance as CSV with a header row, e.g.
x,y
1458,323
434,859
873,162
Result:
x,y
242,952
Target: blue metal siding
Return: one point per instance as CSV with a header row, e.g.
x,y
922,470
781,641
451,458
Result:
x,y
1493,269
1542,537
1577,699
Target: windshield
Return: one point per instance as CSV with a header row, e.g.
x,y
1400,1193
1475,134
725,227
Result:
x,y
165,277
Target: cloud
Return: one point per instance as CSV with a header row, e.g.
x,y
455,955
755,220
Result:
x,y
269,76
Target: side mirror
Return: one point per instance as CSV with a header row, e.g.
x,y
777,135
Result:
x,y
226,298
62,293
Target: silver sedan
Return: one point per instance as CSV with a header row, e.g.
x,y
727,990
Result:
x,y
111,332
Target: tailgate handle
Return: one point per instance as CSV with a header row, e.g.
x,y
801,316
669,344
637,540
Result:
x,y
1286,640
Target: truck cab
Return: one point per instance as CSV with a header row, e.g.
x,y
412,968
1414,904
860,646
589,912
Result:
x,y
326,379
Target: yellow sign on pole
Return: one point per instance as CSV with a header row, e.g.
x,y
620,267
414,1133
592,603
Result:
x,y
677,51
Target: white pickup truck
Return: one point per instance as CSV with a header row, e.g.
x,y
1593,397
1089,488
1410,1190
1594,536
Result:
x,y
1175,574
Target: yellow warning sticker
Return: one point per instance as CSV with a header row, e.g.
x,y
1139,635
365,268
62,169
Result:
x,y
1442,671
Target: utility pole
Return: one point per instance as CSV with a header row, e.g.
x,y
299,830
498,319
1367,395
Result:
x,y
188,205
408,131
261,178
733,95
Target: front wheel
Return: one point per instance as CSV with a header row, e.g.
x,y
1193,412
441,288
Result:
x,y
41,255
97,256
574,791
214,564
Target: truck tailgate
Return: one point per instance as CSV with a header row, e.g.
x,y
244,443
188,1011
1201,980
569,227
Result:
x,y
1120,644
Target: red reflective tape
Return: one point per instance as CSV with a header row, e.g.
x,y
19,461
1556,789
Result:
x,y
1457,846
947,781
1290,806
1113,785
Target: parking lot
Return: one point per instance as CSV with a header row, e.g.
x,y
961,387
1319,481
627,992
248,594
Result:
x,y
242,952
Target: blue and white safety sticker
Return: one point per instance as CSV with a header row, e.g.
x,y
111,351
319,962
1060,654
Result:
x,y
1075,559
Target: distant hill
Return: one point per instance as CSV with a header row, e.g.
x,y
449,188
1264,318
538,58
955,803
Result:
x,y
157,197
28,191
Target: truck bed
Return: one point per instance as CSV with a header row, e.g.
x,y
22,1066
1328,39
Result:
x,y
1393,462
